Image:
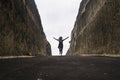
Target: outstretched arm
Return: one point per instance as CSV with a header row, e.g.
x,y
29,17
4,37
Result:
x,y
65,38
55,38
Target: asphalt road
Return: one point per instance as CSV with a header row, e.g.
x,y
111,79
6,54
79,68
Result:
x,y
60,68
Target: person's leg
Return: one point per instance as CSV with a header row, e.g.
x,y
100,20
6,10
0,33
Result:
x,y
61,51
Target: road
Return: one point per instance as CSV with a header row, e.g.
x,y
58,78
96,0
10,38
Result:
x,y
60,68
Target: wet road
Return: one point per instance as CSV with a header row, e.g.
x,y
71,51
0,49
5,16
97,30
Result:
x,y
60,68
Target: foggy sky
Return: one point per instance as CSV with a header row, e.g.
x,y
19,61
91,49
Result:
x,y
58,18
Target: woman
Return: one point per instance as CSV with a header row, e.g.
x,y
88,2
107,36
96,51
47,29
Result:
x,y
60,46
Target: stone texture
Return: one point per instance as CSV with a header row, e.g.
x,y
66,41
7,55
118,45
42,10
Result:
x,y
21,32
97,28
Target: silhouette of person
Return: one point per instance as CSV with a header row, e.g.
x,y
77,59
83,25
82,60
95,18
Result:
x,y
60,46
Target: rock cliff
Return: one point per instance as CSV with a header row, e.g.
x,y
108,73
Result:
x,y
97,28
21,32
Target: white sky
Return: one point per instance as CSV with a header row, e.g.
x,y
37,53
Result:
x,y
58,18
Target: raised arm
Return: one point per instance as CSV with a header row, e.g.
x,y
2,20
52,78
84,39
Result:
x,y
65,38
55,38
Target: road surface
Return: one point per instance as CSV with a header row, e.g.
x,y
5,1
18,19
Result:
x,y
60,68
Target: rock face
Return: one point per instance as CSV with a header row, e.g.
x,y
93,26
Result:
x,y
97,28
21,32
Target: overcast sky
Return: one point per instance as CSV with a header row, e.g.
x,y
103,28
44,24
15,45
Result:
x,y
58,18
